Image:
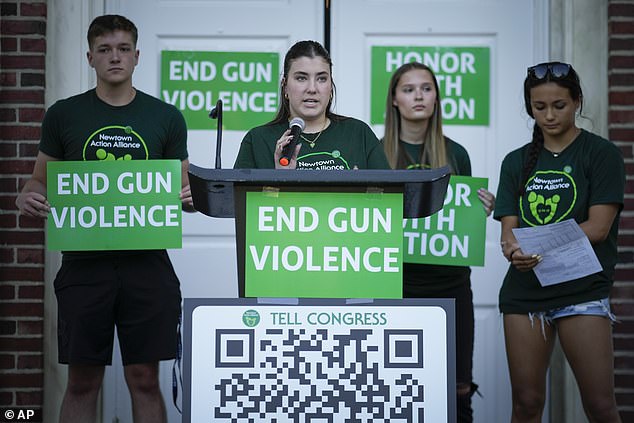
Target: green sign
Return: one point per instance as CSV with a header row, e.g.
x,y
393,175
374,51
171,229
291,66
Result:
x,y
454,236
246,82
114,205
463,75
323,245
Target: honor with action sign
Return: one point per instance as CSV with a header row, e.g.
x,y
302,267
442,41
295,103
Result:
x,y
455,235
114,205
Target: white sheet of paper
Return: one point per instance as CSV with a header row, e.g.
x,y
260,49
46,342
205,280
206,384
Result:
x,y
566,251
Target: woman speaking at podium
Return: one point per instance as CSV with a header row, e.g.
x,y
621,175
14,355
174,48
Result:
x,y
305,134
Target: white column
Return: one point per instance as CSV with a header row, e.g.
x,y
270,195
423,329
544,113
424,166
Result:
x,y
579,35
67,73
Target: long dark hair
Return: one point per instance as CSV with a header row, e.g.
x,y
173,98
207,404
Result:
x,y
568,79
434,149
311,49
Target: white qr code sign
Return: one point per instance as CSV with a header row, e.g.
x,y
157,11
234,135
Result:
x,y
317,361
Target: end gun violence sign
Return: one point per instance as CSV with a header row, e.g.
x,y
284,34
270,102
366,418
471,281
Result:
x,y
324,245
455,235
114,205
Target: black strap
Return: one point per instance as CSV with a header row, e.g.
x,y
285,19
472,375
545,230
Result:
x,y
177,366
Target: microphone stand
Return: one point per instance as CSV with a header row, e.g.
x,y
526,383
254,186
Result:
x,y
216,113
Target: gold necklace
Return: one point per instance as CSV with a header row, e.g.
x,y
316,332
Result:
x,y
314,140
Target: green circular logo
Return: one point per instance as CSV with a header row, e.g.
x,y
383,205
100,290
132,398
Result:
x,y
336,154
115,142
251,318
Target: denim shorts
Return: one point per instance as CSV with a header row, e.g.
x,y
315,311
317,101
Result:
x,y
591,308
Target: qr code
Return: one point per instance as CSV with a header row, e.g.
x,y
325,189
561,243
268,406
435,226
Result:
x,y
319,375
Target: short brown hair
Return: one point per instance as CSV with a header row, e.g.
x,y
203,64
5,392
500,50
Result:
x,y
109,23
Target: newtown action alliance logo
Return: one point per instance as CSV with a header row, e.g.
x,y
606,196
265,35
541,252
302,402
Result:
x,y
115,143
251,318
550,197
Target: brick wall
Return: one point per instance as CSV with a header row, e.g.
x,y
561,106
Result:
x,y
621,127
22,58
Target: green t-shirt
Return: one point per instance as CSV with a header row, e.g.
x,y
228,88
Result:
x,y
347,143
83,127
430,279
589,171
457,156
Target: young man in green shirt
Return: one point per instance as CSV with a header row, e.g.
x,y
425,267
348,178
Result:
x,y
135,291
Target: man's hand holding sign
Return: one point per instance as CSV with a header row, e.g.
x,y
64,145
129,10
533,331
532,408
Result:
x,y
114,205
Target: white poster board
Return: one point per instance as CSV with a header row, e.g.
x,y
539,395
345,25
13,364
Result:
x,y
319,360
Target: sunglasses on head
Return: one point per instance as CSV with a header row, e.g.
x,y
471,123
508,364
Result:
x,y
555,69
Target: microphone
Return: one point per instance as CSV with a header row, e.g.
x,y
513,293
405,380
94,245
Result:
x,y
297,125
216,113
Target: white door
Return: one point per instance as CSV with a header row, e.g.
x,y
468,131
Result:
x,y
206,265
513,32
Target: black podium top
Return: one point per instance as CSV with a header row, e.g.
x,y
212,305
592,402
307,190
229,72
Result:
x,y
423,190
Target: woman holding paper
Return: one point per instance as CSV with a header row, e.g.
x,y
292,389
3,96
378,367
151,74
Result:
x,y
413,140
564,173
306,133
